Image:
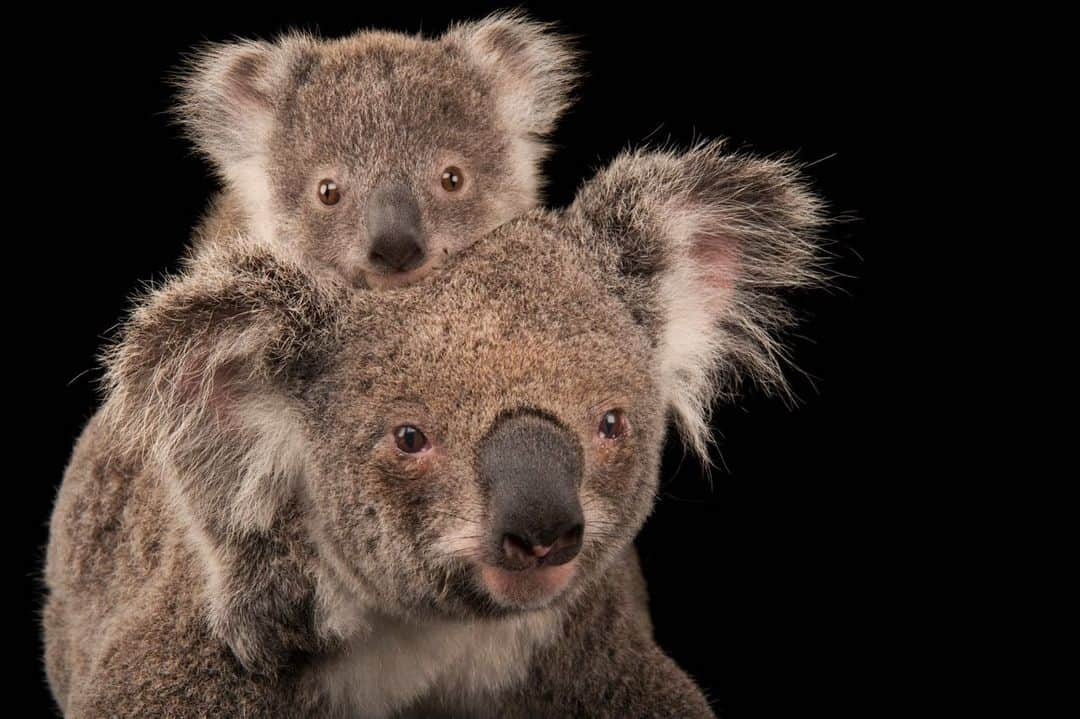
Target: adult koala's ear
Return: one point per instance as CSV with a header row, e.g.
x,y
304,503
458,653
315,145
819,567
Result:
x,y
226,101
700,245
201,392
533,69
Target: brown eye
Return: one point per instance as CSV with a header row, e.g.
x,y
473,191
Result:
x,y
452,179
409,439
328,192
613,424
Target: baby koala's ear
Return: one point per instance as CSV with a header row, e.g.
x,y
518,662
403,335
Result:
x,y
700,245
534,69
227,94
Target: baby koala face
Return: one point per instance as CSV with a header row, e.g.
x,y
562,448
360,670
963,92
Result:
x,y
378,155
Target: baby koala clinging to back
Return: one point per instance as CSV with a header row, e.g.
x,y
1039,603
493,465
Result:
x,y
377,155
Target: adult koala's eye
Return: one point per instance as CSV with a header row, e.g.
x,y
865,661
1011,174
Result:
x,y
410,440
452,179
613,424
328,192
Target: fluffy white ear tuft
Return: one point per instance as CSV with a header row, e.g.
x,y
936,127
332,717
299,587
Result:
x,y
226,103
534,69
228,92
702,244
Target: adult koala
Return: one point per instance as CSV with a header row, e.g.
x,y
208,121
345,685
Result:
x,y
303,500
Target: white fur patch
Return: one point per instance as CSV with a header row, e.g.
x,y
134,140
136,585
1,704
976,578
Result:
x,y
526,154
532,67
249,179
689,345
397,662
272,464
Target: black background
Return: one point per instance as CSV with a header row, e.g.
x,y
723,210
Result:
x,y
770,579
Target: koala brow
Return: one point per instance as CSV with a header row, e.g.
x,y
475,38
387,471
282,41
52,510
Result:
x,y
525,409
606,403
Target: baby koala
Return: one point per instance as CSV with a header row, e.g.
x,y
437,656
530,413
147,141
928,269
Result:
x,y
375,156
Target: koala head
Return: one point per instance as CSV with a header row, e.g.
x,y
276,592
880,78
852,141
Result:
x,y
481,443
378,155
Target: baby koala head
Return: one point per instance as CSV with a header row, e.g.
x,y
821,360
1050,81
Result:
x,y
378,155
485,442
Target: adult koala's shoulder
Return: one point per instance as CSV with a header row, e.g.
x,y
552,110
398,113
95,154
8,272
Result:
x,y
306,501
377,155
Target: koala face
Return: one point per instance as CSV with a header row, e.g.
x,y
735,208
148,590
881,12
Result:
x,y
482,442
500,448
382,171
379,155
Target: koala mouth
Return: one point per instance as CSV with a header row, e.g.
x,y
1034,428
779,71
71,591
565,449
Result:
x,y
528,588
377,280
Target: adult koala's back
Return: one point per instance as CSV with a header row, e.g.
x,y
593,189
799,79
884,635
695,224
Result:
x,y
303,500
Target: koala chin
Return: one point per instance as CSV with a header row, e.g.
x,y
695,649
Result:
x,y
302,500
376,156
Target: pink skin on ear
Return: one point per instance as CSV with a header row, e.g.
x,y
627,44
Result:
x,y
216,393
718,263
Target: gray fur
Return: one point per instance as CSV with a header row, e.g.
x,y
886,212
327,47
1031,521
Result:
x,y
370,110
237,535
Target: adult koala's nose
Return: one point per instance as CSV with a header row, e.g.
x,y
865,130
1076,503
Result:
x,y
532,468
395,232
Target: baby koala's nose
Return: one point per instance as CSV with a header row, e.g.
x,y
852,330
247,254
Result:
x,y
394,228
550,548
396,251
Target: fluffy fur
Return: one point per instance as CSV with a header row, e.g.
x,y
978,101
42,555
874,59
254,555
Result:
x,y
371,111
704,243
237,534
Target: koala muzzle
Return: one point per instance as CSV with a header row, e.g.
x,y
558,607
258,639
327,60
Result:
x,y
532,468
394,226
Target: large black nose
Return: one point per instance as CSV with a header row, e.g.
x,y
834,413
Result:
x,y
394,229
532,469
551,546
396,251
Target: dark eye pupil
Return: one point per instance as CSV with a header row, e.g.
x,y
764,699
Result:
x,y
328,192
610,425
410,439
451,179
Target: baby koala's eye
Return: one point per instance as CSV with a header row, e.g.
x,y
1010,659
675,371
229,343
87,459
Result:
x,y
613,424
410,440
328,192
452,179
